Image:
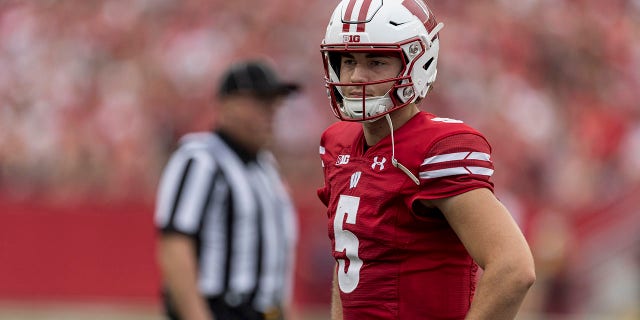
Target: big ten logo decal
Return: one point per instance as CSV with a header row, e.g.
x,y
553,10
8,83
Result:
x,y
351,38
342,159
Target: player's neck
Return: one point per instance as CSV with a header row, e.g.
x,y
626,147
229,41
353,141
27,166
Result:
x,y
377,130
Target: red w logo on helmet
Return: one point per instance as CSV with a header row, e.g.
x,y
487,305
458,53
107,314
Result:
x,y
360,20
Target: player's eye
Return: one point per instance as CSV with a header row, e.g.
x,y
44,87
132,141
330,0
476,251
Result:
x,y
348,62
377,63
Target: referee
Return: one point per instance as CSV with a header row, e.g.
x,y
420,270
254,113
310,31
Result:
x,y
227,225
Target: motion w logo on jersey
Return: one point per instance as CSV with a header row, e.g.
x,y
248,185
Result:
x,y
355,177
378,163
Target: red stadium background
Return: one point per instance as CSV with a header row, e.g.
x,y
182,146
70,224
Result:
x,y
95,94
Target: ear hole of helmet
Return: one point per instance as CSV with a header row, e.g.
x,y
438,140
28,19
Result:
x,y
428,64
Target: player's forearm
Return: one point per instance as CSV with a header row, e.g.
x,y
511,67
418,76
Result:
x,y
336,303
500,292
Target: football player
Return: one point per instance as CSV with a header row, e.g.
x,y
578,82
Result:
x,y
412,213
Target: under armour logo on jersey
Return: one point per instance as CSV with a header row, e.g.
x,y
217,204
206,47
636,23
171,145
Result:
x,y
343,159
355,177
378,163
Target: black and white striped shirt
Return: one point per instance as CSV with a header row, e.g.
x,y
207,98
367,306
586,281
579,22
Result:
x,y
240,215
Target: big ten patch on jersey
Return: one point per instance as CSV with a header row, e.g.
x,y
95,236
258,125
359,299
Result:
x,y
342,159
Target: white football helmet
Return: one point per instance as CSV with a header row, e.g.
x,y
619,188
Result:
x,y
406,28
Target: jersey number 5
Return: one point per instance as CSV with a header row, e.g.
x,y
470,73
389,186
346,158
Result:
x,y
347,242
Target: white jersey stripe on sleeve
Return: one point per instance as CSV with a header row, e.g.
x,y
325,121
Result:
x,y
445,158
432,174
479,156
481,171
457,156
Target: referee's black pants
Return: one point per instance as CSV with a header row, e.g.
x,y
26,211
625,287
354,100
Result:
x,y
223,311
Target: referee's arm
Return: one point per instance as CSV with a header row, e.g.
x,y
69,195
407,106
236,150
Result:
x,y
179,269
181,197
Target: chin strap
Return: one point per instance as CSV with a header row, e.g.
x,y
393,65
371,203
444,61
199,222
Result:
x,y
359,108
394,161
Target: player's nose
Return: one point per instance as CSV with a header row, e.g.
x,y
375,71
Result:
x,y
360,73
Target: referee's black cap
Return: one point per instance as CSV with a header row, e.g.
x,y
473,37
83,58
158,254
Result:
x,y
254,77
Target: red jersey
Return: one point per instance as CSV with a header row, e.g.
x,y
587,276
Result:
x,y
398,259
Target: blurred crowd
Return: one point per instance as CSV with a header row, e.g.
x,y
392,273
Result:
x,y
95,94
